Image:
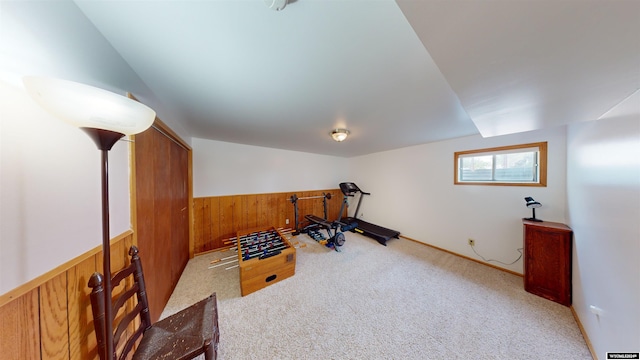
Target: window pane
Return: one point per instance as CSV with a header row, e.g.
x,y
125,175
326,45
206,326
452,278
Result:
x,y
516,167
477,168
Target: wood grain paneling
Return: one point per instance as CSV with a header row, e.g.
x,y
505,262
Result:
x,y
162,213
252,211
155,248
53,319
220,217
20,330
82,337
198,220
179,212
225,222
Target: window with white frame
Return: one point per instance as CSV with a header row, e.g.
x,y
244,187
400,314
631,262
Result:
x,y
522,165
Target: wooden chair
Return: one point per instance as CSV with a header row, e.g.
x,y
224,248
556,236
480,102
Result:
x,y
184,335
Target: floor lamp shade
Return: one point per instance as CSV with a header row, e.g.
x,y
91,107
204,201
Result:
x,y
86,106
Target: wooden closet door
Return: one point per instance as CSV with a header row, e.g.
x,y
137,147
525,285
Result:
x,y
162,214
180,211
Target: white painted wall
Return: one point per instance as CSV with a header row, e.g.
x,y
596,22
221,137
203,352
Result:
x,y
221,168
603,182
50,171
413,192
50,193
54,38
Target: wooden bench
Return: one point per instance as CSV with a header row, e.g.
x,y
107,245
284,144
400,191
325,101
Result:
x,y
184,335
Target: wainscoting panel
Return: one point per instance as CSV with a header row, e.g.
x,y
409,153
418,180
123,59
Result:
x,y
82,339
218,218
54,324
50,316
20,330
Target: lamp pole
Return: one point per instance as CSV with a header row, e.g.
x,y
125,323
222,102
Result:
x,y
105,140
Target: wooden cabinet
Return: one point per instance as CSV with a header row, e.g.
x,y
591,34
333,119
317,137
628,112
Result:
x,y
547,260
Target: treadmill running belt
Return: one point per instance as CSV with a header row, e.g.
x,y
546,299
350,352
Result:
x,y
379,233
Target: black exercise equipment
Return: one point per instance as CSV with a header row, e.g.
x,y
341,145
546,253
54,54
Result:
x,y
335,238
294,200
379,233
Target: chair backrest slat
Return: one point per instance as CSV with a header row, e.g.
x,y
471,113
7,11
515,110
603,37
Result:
x,y
117,278
124,323
122,299
140,310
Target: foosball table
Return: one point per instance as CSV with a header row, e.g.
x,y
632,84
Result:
x,y
265,257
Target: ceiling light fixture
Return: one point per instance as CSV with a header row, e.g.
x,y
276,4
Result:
x,y
339,134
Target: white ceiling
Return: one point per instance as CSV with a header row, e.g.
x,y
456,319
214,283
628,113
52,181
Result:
x,y
395,74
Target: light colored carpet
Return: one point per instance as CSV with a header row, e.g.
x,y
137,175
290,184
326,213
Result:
x,y
402,301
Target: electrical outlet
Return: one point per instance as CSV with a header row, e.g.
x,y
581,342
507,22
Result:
x,y
472,242
286,221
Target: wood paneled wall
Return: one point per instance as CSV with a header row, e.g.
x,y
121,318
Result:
x,y
219,217
50,316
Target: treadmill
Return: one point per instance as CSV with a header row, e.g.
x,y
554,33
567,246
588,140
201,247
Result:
x,y
379,233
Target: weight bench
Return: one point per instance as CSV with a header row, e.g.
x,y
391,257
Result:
x,y
336,238
184,335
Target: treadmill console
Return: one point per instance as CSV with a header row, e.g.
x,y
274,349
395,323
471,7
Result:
x,y
349,188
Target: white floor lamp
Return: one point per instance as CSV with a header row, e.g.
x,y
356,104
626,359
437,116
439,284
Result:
x,y
106,117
